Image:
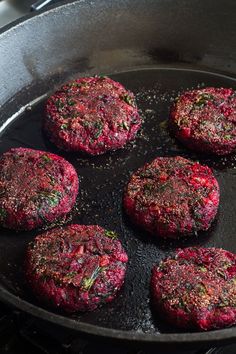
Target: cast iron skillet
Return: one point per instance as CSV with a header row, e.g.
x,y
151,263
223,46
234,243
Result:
x,y
157,49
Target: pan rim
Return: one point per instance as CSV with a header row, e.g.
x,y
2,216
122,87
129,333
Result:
x,y
83,327
215,336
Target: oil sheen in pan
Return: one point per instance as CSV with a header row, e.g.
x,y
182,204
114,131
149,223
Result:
x,y
100,199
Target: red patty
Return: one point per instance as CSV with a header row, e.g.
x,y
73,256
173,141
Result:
x,y
91,115
76,268
196,289
36,187
205,120
172,196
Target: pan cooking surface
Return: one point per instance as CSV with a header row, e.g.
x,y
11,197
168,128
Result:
x,y
102,180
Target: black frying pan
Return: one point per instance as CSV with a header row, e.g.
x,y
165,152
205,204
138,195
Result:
x,y
157,49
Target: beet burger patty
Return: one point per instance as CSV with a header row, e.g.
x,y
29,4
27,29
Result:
x,y
92,115
196,289
35,187
76,268
205,120
172,196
